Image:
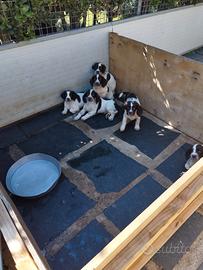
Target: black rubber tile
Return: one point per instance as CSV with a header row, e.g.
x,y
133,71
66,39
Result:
x,y
129,206
99,121
108,168
57,141
5,163
151,139
175,164
81,249
50,215
169,255
43,120
10,135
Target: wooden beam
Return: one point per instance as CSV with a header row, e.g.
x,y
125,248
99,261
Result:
x,y
146,244
23,231
14,242
169,198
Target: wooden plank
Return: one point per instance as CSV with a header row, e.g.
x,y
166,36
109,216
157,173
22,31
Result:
x,y
24,232
164,82
146,240
166,234
14,242
135,227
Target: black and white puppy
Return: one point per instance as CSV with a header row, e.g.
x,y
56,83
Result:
x,y
193,155
132,109
101,69
100,85
73,101
94,104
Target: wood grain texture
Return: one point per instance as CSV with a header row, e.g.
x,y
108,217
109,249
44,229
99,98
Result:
x,y
15,244
169,86
23,231
173,201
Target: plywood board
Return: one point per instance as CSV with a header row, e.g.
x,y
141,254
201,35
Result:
x,y
169,86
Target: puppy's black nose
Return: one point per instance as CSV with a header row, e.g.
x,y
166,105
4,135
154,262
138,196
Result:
x,y
193,155
89,99
68,99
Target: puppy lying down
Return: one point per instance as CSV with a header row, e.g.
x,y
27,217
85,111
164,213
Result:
x,y
94,104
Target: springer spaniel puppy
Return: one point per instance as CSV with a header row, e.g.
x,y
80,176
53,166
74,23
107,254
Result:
x,y
73,101
193,155
100,68
100,85
132,109
94,104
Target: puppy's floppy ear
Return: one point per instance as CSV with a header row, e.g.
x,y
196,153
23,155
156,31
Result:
x,y
75,96
103,81
188,153
92,80
95,66
108,77
139,110
84,97
201,149
102,68
96,96
63,95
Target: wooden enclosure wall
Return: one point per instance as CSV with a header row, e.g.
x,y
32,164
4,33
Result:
x,y
169,86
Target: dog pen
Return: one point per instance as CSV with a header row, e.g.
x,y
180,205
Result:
x,y
167,84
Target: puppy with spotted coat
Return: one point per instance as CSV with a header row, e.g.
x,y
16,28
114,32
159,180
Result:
x,y
193,155
94,104
73,101
132,109
103,82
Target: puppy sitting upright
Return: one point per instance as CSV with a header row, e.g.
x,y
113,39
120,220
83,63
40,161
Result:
x,y
193,155
94,104
73,102
132,110
101,69
99,84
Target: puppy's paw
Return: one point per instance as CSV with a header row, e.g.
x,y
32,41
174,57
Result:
x,y
72,111
83,118
109,116
136,128
64,112
77,117
122,128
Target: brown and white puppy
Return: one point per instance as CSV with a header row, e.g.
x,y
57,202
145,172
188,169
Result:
x,y
94,104
193,155
73,101
102,70
132,109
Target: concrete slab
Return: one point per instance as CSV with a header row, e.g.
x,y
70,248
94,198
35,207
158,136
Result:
x,y
180,243
108,168
50,215
57,141
10,135
123,211
174,165
75,254
41,121
151,139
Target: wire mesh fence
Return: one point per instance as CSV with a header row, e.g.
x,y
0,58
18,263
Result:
x,y
26,19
